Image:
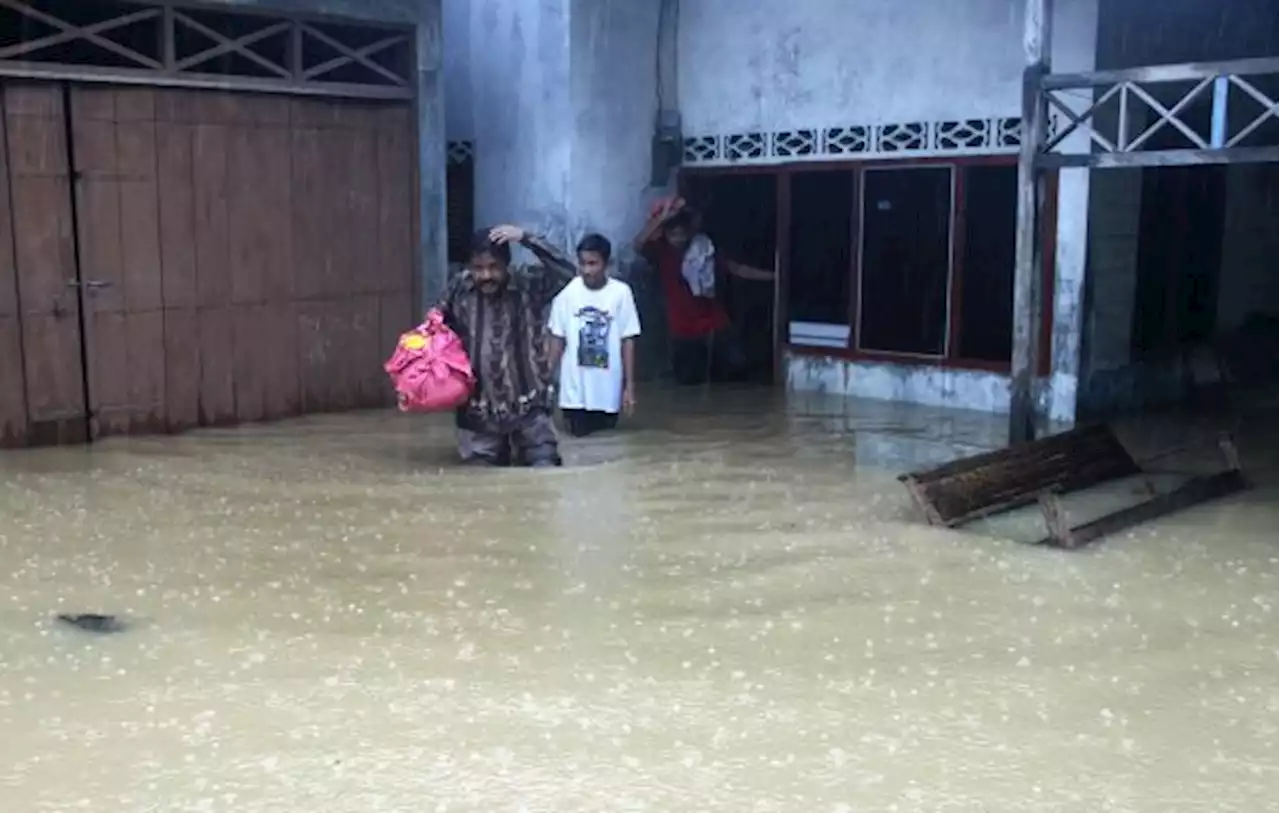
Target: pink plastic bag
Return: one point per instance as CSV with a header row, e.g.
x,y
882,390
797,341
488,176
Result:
x,y
430,368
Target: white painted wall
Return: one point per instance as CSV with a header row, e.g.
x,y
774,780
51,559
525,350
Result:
x,y
748,65
520,112
767,64
558,99
459,123
614,102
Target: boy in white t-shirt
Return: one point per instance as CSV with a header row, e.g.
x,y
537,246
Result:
x,y
593,327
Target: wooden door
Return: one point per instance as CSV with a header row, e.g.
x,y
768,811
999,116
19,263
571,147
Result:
x,y
193,258
46,367
13,391
113,158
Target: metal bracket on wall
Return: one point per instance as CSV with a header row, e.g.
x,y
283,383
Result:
x,y
89,284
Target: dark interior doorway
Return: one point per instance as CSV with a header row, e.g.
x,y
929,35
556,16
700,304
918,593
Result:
x,y
740,214
1179,257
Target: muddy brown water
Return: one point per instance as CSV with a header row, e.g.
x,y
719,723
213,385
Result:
x,y
728,607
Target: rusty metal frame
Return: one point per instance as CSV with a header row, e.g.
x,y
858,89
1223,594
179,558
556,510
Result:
x,y
1216,146
289,75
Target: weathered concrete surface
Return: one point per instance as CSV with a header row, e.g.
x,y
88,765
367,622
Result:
x,y
559,100
722,610
432,156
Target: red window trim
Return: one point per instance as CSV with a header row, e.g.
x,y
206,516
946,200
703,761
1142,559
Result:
x,y
784,172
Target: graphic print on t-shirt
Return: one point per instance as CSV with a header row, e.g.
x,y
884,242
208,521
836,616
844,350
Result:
x,y
593,337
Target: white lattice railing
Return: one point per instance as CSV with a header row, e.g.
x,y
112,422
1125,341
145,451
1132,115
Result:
x,y
1160,115
848,142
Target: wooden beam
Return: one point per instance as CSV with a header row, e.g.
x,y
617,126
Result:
x,y
1163,158
355,54
1193,492
131,76
1169,115
70,33
238,45
227,44
1027,295
365,51
161,66
87,33
1184,72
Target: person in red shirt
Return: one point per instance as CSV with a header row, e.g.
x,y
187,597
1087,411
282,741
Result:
x,y
703,341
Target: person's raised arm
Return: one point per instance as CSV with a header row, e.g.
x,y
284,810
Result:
x,y
550,257
649,232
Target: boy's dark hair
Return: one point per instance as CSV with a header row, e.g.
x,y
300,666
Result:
x,y
481,244
597,243
686,218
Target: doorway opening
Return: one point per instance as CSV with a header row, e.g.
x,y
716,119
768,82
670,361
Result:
x,y
740,214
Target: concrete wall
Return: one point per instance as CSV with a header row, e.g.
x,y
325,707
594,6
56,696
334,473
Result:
x,y
753,65
558,98
458,117
614,100
761,64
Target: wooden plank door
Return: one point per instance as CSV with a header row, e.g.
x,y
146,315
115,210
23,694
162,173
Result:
x,y
114,161
13,383
45,300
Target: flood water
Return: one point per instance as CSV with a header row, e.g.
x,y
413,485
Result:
x,y
729,607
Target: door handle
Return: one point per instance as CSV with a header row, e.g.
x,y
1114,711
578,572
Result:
x,y
89,284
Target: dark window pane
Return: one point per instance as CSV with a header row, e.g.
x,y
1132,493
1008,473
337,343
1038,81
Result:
x,y
986,283
822,208
906,260
460,208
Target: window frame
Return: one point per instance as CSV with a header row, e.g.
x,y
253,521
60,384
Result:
x,y
955,316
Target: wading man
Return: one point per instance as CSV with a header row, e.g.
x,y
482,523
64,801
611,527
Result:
x,y
501,315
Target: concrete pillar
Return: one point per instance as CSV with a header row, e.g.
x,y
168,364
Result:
x,y
521,112
561,111
1116,207
432,234
1074,48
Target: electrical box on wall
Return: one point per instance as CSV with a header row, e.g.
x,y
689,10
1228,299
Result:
x,y
668,147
